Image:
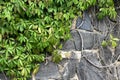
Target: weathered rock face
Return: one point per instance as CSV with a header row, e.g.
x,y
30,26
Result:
x,y
89,66
94,62
90,40
65,70
86,59
85,23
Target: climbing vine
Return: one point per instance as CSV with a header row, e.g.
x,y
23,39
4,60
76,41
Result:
x,y
112,42
33,29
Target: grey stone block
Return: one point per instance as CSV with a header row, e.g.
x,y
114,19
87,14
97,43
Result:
x,y
74,43
84,23
49,71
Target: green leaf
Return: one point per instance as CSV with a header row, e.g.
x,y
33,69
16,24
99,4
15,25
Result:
x,y
36,69
16,57
115,39
24,72
56,57
114,44
75,1
0,37
111,36
104,43
20,62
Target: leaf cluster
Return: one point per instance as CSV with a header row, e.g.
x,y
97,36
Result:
x,y
112,42
106,8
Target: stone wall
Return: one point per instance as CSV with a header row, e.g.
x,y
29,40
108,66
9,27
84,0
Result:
x,y
94,62
87,59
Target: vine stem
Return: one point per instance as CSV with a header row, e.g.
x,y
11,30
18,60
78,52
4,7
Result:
x,y
33,77
4,75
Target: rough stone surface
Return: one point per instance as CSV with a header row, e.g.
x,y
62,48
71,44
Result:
x,y
101,64
49,71
117,52
78,22
88,72
69,45
65,70
118,71
106,55
91,70
102,27
89,66
84,23
90,39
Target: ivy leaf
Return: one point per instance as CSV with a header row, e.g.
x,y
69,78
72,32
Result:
x,y
112,13
0,37
66,16
70,3
22,38
50,9
36,69
114,44
56,57
115,39
39,30
104,43
41,4
24,72
40,58
111,37
75,1
93,1
16,57
20,62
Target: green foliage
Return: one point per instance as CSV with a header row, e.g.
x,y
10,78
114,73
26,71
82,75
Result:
x,y
111,42
31,28
85,4
106,8
56,57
